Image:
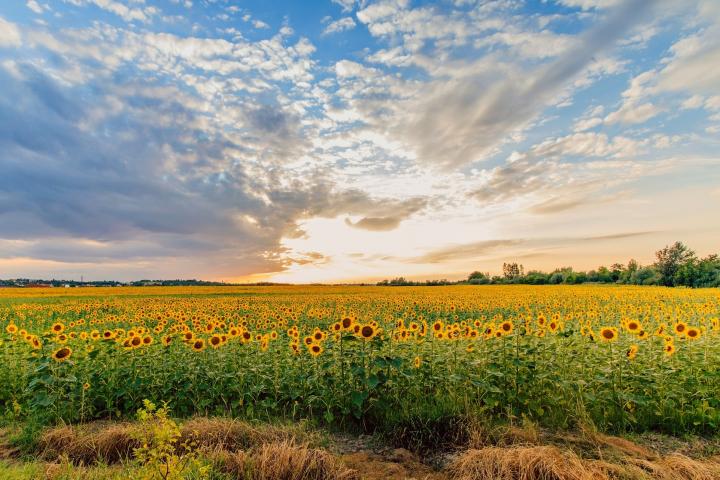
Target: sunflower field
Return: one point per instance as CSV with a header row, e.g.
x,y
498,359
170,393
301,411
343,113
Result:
x,y
620,358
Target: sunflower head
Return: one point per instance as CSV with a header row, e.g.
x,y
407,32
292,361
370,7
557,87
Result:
x,y
417,362
693,333
680,328
367,332
62,354
198,345
608,334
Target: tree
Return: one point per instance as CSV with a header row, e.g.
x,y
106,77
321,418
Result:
x,y
627,274
478,278
669,261
512,270
645,276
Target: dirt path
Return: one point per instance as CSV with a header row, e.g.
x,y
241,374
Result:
x,y
380,463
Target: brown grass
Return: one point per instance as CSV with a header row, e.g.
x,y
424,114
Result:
x,y
89,444
287,461
234,435
550,463
679,467
519,463
112,443
247,451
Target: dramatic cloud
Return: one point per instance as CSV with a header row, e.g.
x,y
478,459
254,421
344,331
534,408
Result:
x,y
466,114
193,139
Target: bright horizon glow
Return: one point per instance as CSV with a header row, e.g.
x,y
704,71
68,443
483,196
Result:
x,y
343,141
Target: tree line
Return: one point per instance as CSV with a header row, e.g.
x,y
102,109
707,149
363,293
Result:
x,y
675,265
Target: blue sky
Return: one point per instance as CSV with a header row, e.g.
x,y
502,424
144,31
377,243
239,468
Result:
x,y
346,140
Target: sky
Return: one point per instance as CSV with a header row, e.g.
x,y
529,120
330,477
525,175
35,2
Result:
x,y
354,140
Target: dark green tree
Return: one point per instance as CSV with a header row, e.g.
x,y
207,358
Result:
x,y
670,260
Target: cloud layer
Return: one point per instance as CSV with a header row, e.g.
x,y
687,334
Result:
x,y
217,141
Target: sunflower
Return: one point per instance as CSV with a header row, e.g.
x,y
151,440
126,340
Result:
x,y
633,326
367,332
147,340
506,327
554,326
11,329
632,352
108,334
135,342
57,328
608,334
315,349
693,333
36,343
215,341
347,323
417,362
669,349
680,328
62,354
198,345
336,327
167,340
437,326
86,386
469,348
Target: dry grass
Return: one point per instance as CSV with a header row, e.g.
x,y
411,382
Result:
x,y
287,461
89,444
283,460
679,467
247,451
234,435
112,443
519,463
550,463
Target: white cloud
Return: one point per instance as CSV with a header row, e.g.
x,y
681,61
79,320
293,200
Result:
x,y
696,101
630,113
347,5
590,4
9,34
34,6
340,25
128,14
587,123
586,145
692,67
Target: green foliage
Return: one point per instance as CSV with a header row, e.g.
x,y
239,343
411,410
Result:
x,y
160,456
